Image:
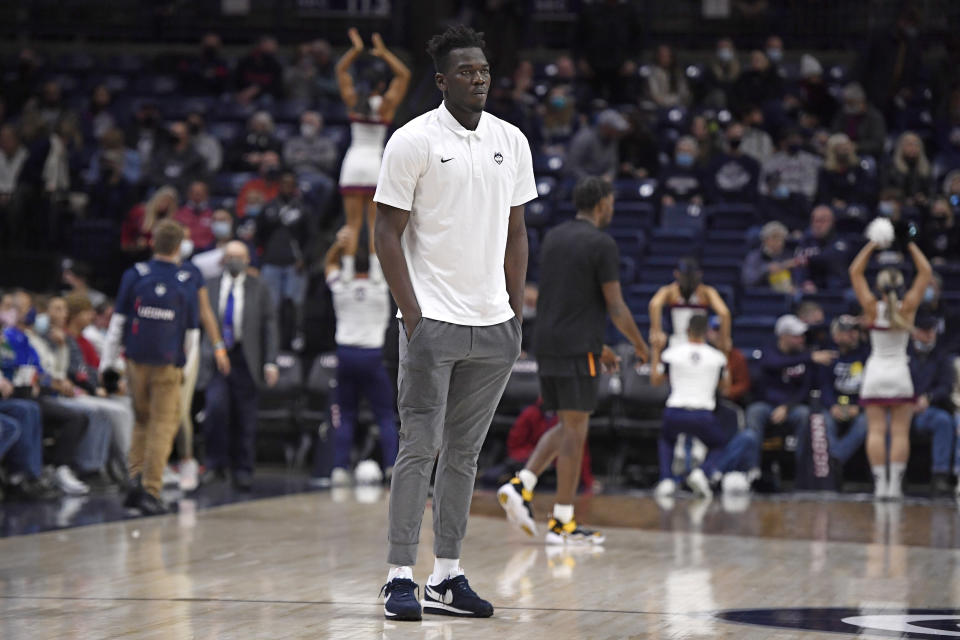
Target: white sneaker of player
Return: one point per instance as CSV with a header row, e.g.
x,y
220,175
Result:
x,y
368,472
666,487
170,477
69,483
189,475
340,477
697,480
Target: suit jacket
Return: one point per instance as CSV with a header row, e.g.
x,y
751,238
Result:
x,y
260,339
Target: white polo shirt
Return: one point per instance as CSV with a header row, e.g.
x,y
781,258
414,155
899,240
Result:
x,y
362,306
694,370
458,186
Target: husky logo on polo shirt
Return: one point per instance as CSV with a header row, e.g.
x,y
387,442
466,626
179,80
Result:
x,y
498,157
183,276
160,290
916,624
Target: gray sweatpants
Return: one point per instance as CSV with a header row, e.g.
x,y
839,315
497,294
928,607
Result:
x,y
450,381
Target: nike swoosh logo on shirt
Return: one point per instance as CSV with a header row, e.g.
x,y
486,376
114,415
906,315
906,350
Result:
x,y
442,160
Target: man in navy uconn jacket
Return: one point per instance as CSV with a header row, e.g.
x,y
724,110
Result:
x,y
788,374
156,319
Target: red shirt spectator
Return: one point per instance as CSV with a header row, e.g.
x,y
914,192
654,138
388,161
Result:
x,y
136,230
529,427
197,216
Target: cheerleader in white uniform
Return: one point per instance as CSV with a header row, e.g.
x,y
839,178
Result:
x,y
887,389
686,297
370,114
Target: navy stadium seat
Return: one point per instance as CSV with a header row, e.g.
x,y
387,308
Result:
x,y
763,301
732,217
674,242
752,332
683,216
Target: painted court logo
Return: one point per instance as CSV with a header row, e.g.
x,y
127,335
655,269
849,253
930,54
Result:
x,y
916,624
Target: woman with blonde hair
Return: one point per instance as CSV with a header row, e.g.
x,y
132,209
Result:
x,y
137,228
371,109
842,181
887,389
909,170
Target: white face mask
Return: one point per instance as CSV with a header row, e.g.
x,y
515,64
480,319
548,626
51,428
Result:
x,y
308,130
186,249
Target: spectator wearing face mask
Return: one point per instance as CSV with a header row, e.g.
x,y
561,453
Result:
x,y
259,140
208,72
892,65
909,170
948,320
558,115
143,133
815,96
758,84
137,228
311,152
791,170
266,186
260,73
723,70
757,143
843,181
98,118
862,122
941,238
639,149
210,262
733,175
177,164
682,180
932,372
196,216
204,143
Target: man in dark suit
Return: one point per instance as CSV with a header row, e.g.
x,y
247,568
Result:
x,y
248,324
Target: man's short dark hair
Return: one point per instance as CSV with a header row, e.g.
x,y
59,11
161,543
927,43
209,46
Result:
x,y
456,37
697,327
167,236
589,192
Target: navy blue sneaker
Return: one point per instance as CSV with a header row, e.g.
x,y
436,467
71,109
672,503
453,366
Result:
x,y
401,601
454,597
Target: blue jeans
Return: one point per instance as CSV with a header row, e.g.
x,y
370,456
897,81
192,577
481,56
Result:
x,y
843,447
9,433
798,418
940,424
360,372
26,454
697,423
285,283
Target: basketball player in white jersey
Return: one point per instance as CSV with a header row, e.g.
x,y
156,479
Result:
x,y
696,372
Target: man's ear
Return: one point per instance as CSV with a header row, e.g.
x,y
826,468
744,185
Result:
x,y
441,81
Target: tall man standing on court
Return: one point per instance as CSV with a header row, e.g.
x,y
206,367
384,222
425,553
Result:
x,y
156,319
579,286
452,243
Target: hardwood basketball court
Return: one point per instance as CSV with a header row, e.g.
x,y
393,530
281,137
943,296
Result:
x,y
310,566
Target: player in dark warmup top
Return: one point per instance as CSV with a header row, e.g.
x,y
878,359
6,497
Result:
x,y
579,285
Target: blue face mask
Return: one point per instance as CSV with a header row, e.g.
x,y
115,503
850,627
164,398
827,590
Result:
x,y
781,192
684,159
254,209
558,102
923,347
41,324
222,229
929,294
886,208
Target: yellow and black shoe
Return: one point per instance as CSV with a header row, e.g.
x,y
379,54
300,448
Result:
x,y
572,533
515,500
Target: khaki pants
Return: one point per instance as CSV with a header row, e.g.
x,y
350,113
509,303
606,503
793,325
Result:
x,y
155,390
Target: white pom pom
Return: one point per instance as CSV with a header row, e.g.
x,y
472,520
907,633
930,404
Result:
x,y
368,472
880,232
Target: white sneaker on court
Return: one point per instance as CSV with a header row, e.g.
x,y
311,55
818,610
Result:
x,y
189,475
666,487
340,477
69,483
735,482
170,477
697,480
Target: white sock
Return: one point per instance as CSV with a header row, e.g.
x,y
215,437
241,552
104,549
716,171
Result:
x,y
563,512
444,568
528,478
897,471
347,263
400,572
879,478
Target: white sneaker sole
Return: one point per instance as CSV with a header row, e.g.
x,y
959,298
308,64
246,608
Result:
x,y
439,608
558,539
513,505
